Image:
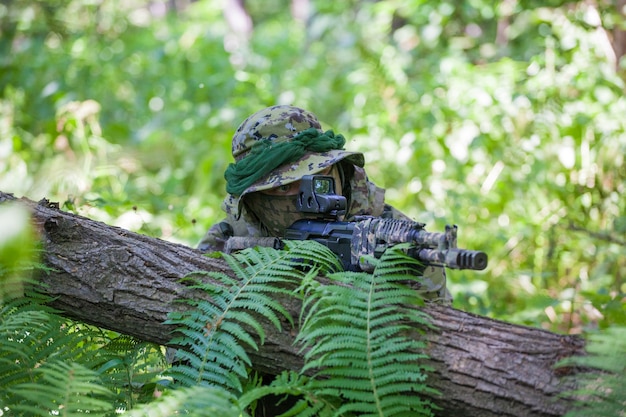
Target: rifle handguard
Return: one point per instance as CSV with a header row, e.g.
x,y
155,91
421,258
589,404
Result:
x,y
372,236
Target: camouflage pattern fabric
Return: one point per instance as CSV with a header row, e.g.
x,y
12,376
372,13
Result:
x,y
277,213
274,123
237,243
366,238
279,124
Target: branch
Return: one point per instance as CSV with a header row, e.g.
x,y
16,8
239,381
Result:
x,y
607,237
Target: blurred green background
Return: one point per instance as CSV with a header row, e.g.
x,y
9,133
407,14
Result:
x,y
506,118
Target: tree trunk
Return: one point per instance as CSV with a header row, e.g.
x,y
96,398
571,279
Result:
x,y
123,281
618,41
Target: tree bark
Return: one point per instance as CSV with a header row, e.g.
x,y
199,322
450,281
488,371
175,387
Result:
x,y
127,282
618,41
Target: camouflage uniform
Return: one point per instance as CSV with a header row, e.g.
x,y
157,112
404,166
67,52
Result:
x,y
281,123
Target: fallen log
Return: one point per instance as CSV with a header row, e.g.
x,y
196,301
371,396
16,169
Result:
x,y
127,282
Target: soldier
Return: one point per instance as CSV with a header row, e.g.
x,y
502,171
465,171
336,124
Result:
x,y
273,149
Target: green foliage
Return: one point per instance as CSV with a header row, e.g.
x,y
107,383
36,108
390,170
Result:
x,y
503,117
354,334
35,344
65,390
32,334
17,250
71,367
216,331
193,401
131,368
602,391
296,385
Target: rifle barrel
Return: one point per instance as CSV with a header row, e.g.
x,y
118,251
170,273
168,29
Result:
x,y
455,258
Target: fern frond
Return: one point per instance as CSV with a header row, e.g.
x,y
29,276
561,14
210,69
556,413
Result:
x,y
196,401
214,334
397,266
314,254
295,385
602,390
65,390
354,335
130,368
30,334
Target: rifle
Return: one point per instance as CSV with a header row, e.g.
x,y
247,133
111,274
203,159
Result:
x,y
367,235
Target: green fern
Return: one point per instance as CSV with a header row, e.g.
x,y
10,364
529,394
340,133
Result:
x,y
354,336
20,328
35,343
293,384
204,401
131,368
65,390
353,331
215,333
30,334
602,388
195,401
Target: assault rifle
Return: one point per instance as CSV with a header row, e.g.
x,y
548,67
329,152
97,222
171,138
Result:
x,y
353,241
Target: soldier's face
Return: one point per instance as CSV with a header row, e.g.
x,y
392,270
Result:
x,y
276,208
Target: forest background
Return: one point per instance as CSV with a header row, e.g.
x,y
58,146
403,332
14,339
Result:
x,y
506,118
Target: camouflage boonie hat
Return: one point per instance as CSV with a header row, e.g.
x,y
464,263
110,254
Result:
x,y
281,123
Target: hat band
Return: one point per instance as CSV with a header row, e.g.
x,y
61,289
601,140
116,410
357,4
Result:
x,y
267,155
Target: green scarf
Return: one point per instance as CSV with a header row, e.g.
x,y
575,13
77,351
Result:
x,y
267,155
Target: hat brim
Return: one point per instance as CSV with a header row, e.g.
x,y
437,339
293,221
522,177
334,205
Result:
x,y
310,163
